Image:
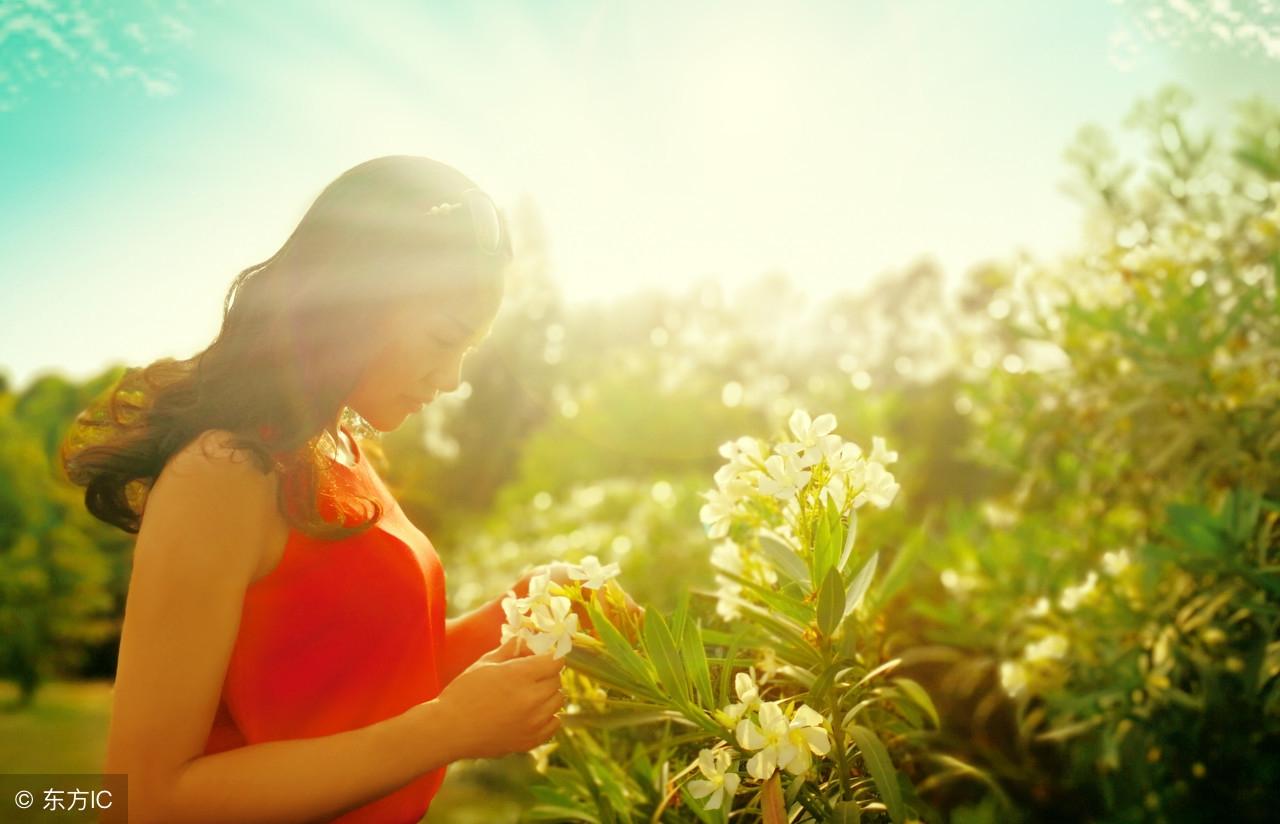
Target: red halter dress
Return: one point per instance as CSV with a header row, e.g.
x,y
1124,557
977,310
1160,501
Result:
x,y
339,635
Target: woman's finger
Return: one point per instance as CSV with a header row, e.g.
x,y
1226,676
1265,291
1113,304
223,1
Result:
x,y
551,703
549,729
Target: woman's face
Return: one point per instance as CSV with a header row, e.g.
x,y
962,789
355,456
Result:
x,y
424,343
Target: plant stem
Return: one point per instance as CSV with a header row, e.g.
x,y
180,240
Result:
x,y
837,735
772,808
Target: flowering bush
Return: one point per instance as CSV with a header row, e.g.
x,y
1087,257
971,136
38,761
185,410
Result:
x,y
1141,490
652,730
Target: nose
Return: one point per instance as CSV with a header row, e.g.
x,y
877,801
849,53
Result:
x,y
452,374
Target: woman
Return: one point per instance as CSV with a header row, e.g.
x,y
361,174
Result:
x,y
285,654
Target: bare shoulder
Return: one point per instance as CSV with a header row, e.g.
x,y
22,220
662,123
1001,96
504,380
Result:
x,y
215,499
212,451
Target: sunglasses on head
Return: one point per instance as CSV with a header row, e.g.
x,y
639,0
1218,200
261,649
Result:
x,y
486,224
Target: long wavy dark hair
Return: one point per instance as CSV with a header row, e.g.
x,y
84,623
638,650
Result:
x,y
294,341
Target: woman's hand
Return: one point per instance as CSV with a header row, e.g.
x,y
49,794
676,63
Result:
x,y
507,701
621,610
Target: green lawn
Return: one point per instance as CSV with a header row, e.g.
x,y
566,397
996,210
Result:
x,y
64,730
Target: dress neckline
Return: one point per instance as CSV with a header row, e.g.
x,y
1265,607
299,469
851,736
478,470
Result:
x,y
357,456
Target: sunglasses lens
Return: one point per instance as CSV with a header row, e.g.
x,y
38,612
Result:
x,y
485,217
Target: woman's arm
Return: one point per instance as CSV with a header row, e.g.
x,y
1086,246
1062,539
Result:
x,y
306,779
192,563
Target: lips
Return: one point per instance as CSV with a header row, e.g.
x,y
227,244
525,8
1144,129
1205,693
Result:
x,y
417,401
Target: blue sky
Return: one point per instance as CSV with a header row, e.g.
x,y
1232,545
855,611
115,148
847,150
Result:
x,y
149,151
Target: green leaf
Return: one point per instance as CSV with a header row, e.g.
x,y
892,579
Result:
x,y
769,628
822,551
627,718
920,697
549,812
784,558
818,689
861,582
1241,513
681,613
777,599
876,757
695,806
846,812
661,648
601,668
831,602
793,791
900,570
620,648
849,538
695,662
726,670
887,666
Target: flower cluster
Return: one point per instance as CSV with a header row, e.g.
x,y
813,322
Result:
x,y
544,618
816,467
847,476
1036,667
778,741
1017,676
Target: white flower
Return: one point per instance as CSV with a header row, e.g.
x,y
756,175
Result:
x,y
880,454
768,663
1013,677
742,451
845,459
727,555
772,737
541,755
836,489
958,583
555,623
745,455
721,779
591,573
1116,562
515,625
748,698
1050,646
717,512
539,587
879,487
809,736
814,440
1072,597
783,479
808,431
762,572
1041,606
726,607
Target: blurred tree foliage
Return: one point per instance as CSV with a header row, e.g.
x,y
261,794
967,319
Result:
x,y
62,573
1125,583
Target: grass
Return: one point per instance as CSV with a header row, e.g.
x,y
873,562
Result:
x,y
64,730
